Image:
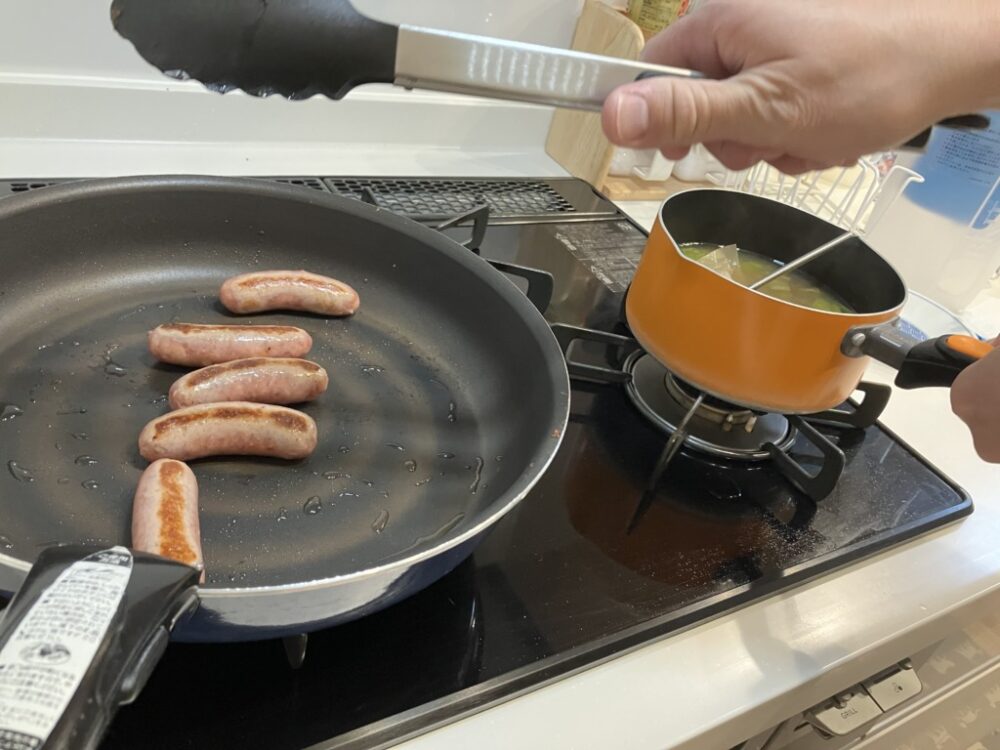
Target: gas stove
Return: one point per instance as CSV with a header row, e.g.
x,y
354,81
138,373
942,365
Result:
x,y
635,532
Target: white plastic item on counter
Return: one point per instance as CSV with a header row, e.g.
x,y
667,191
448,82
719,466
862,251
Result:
x,y
624,161
923,319
697,165
648,165
982,315
936,256
943,236
658,169
893,185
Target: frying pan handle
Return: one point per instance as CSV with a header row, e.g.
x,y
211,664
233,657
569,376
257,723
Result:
x,y
81,637
926,364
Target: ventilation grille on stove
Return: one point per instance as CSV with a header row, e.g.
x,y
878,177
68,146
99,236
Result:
x,y
414,197
310,182
23,186
432,197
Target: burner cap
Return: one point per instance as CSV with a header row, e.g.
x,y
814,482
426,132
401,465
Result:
x,y
717,428
713,409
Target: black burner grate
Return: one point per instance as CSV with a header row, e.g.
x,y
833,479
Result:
x,y
439,198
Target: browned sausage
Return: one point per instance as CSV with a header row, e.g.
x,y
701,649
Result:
x,y
288,290
195,345
268,380
233,428
165,513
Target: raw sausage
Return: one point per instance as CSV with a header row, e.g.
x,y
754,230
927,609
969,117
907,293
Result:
x,y
165,513
195,345
288,290
268,380
233,428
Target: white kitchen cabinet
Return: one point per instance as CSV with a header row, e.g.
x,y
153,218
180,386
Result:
x,y
946,697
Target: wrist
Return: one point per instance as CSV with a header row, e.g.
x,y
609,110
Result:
x,y
990,45
971,55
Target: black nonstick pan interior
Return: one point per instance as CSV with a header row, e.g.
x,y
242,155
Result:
x,y
441,400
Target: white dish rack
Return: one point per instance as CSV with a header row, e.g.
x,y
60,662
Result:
x,y
854,198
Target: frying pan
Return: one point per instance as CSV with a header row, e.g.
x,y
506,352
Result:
x,y
761,352
448,399
299,48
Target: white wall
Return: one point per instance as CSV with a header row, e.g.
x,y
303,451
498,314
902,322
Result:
x,y
536,21
70,86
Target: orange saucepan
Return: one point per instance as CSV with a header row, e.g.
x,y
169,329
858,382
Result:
x,y
751,349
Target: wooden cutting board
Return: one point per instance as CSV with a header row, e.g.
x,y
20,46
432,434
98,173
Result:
x,y
575,139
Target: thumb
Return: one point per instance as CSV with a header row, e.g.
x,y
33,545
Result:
x,y
674,113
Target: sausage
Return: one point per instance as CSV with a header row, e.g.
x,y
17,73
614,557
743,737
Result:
x,y
288,290
232,428
195,345
165,513
266,380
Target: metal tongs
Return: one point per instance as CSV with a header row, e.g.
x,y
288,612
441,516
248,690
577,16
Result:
x,y
300,48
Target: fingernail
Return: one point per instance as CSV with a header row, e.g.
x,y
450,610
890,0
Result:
x,y
633,117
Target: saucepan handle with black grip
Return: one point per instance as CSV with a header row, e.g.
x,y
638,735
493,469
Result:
x,y
80,637
935,362
960,122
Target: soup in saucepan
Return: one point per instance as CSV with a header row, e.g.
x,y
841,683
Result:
x,y
746,268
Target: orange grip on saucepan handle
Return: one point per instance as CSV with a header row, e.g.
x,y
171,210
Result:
x,y
968,346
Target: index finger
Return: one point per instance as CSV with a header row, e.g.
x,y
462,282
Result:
x,y
690,43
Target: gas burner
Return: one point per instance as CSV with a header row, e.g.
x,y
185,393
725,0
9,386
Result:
x,y
714,409
717,428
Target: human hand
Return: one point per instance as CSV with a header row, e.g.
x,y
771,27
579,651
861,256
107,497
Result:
x,y
975,398
808,85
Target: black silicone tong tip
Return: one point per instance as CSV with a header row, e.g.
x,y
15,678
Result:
x,y
294,48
